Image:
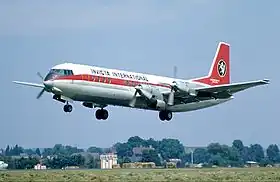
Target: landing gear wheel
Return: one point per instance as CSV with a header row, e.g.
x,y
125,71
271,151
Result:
x,y
67,108
105,114
168,115
162,115
165,115
101,114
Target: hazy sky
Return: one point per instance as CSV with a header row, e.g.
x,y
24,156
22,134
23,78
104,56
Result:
x,y
142,36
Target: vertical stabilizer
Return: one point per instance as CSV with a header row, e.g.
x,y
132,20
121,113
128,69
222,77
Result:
x,y
220,70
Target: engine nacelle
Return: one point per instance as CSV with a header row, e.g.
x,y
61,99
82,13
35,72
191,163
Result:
x,y
150,91
157,104
183,87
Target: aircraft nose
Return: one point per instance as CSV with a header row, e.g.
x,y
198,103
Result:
x,y
48,83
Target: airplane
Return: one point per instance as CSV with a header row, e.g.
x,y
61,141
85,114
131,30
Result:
x,y
99,87
3,165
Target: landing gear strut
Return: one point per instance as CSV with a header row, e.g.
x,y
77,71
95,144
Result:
x,y
67,108
101,114
165,115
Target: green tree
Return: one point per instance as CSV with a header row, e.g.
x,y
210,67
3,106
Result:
x,y
218,160
273,153
238,144
201,155
29,151
47,152
136,141
171,149
38,152
7,151
95,150
93,163
150,156
123,150
256,153
153,143
214,148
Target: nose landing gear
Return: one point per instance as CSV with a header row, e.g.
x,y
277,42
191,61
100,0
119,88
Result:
x,y
68,108
101,114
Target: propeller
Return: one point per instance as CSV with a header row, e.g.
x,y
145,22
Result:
x,y
40,75
133,100
139,90
43,90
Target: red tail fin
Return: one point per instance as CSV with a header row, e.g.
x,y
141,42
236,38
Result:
x,y
220,69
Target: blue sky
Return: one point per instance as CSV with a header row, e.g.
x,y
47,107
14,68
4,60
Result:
x,y
142,36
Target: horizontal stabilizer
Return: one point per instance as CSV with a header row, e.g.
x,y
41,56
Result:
x,y
29,84
233,88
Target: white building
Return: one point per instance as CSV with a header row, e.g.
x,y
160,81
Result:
x,y
108,160
3,165
39,167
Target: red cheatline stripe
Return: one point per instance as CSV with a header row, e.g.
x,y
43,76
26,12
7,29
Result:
x,y
107,80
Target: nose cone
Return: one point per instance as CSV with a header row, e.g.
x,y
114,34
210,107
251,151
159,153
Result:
x,y
48,83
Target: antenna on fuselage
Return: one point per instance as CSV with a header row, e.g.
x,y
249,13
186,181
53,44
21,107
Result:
x,y
175,71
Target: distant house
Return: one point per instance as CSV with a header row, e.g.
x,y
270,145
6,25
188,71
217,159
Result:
x,y
108,161
40,167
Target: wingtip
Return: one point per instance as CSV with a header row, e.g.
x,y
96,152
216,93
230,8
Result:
x,y
266,81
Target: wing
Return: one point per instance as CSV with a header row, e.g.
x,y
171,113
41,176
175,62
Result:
x,y
30,84
232,88
219,91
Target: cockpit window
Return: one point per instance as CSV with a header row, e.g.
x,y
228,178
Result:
x,y
58,72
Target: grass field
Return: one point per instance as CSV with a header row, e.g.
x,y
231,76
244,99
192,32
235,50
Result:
x,y
218,174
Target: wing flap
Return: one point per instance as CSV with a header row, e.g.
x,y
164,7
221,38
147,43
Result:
x,y
233,88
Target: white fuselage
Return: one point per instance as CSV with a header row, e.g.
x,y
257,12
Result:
x,y
115,87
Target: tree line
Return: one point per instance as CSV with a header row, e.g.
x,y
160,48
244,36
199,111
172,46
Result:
x,y
157,151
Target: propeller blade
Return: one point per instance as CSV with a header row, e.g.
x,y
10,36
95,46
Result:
x,y
39,74
133,100
171,98
41,93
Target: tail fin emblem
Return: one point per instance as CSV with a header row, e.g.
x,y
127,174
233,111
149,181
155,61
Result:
x,y
222,68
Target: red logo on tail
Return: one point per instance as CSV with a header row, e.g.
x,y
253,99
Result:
x,y
220,69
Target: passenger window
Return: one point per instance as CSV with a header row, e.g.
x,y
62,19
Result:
x,y
109,80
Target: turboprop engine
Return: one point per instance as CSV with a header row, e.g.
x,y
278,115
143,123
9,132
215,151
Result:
x,y
181,87
153,96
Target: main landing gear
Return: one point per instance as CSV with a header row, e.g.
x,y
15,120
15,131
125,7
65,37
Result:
x,y
101,114
165,115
